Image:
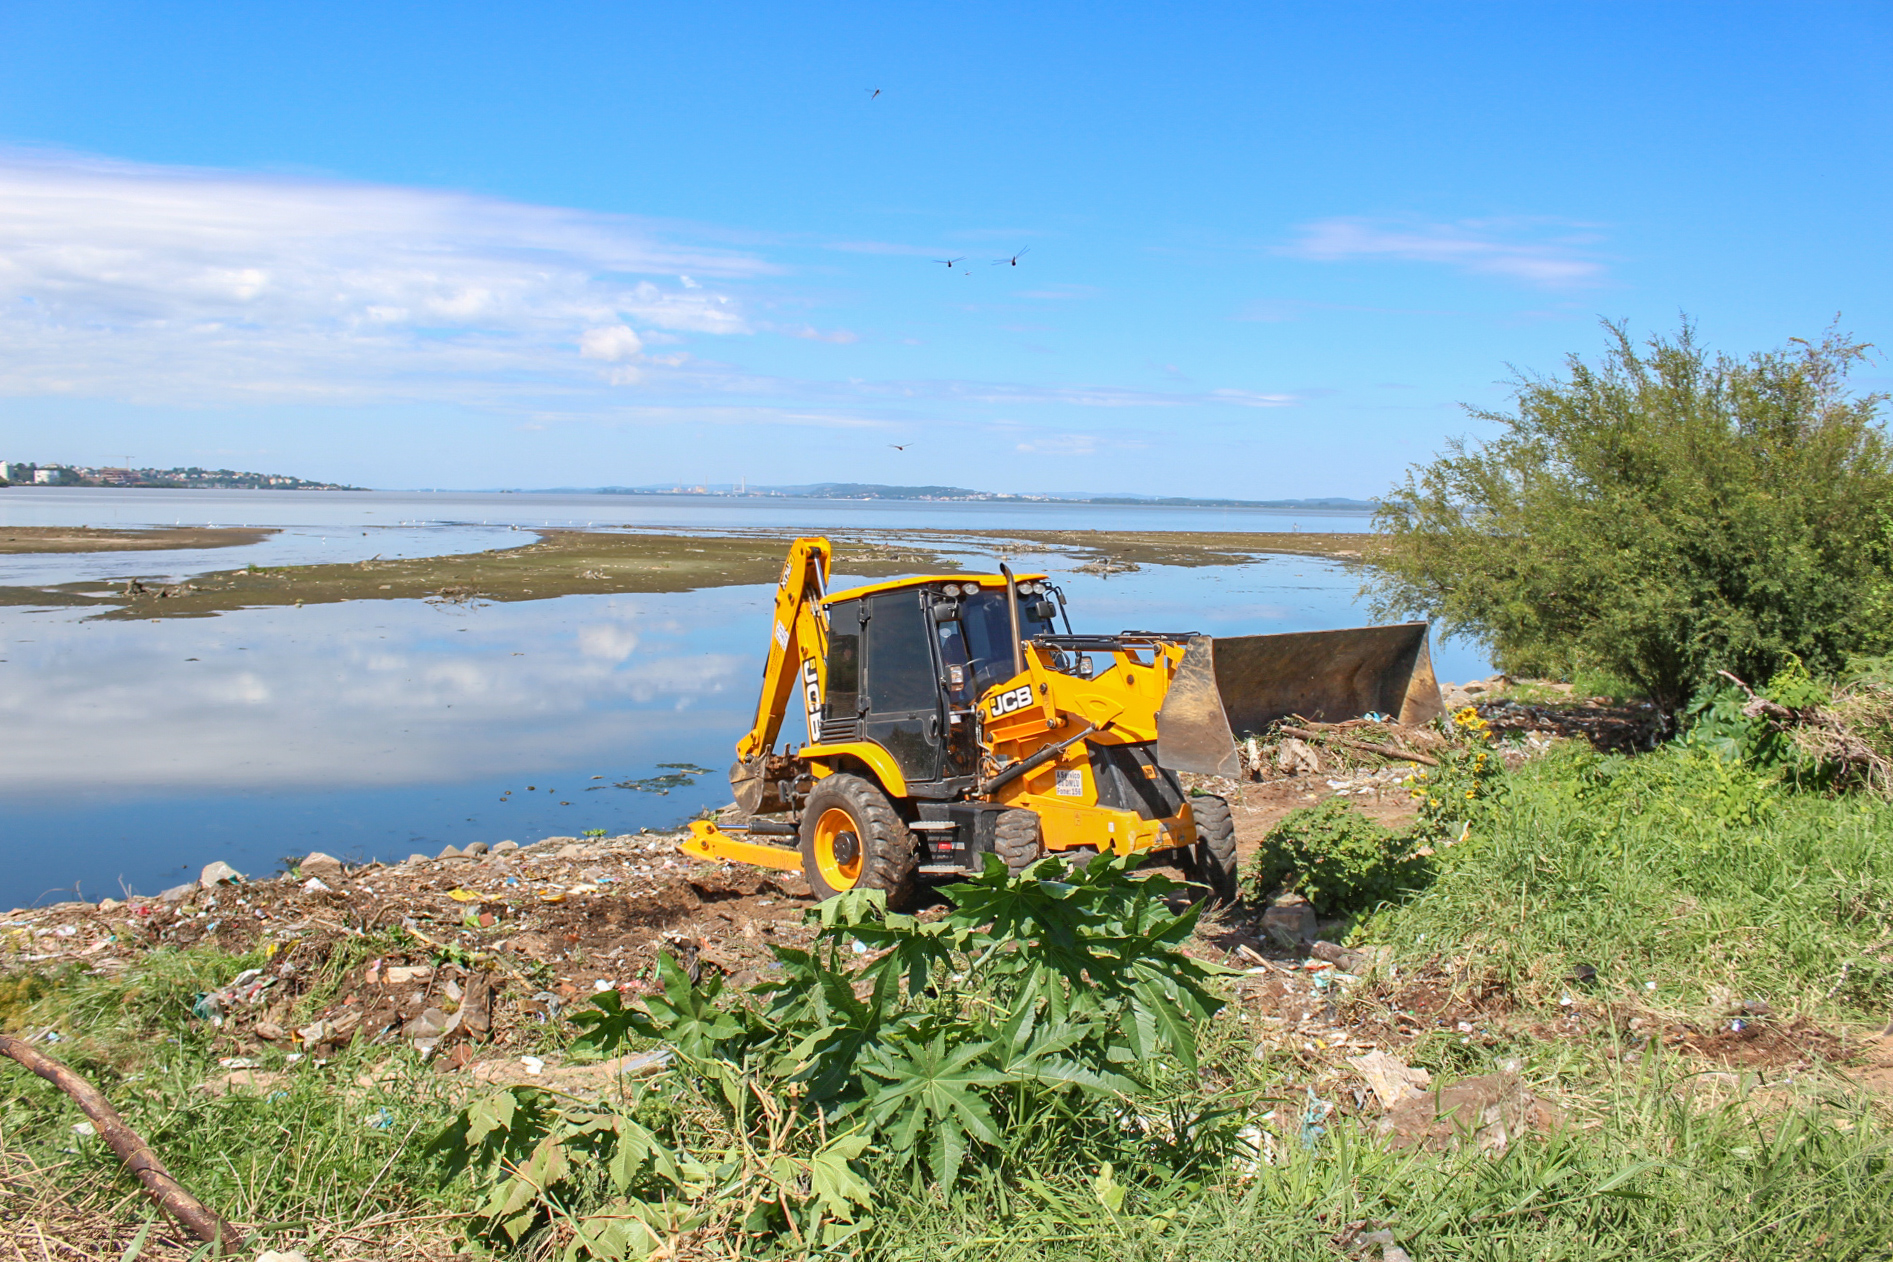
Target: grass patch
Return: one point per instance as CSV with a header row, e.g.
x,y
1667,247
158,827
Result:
x,y
310,1152
1684,880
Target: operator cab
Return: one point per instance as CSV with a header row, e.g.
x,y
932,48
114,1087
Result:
x,y
908,661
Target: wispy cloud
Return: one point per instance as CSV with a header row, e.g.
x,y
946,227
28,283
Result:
x,y
721,414
177,284
1550,253
1003,395
809,333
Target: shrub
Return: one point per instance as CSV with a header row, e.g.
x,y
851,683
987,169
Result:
x,y
1657,518
1336,858
1684,880
1047,1013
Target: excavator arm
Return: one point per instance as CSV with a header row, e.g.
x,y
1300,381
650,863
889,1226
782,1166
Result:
x,y
798,661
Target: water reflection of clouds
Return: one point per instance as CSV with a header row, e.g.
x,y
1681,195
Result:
x,y
324,696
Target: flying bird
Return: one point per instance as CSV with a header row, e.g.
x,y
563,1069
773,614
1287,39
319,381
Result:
x,y
951,262
900,446
872,92
1014,260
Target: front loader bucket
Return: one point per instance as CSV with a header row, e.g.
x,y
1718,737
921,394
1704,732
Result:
x,y
1229,687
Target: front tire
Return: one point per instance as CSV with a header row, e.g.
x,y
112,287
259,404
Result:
x,y
851,838
1213,857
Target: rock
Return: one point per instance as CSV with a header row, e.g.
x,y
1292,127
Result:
x,y
572,851
218,873
319,864
1472,689
474,848
406,975
250,1081
1756,1008
417,858
1289,919
1392,1079
1339,956
505,847
109,904
1297,757
1488,1111
177,893
476,1006
431,1024
1389,1251
270,1031
450,852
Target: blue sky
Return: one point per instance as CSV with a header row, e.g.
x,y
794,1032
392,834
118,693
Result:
x,y
1271,248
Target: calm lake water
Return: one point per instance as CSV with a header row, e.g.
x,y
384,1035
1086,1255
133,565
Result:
x,y
132,753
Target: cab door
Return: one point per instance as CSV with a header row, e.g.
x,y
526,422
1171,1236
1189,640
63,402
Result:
x,y
901,683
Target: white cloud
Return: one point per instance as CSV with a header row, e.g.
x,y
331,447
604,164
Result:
x,y
1060,445
809,333
613,343
1004,394
1541,252
180,285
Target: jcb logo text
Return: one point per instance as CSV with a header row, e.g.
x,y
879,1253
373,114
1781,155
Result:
x,y
1007,702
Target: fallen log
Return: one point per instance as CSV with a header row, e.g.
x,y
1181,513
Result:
x,y
202,1221
1385,751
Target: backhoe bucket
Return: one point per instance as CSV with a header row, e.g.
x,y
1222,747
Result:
x,y
1229,687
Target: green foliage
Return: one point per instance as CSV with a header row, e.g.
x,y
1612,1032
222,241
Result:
x,y
318,1148
1685,880
1650,1175
1052,1010
1657,518
1337,858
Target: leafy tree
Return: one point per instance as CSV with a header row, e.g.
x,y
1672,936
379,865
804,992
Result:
x,y
1658,517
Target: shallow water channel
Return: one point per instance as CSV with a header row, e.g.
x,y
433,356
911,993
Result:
x,y
132,753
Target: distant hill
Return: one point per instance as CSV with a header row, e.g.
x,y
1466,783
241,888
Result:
x,y
879,491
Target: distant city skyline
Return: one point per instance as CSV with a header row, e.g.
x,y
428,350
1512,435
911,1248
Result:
x,y
1252,253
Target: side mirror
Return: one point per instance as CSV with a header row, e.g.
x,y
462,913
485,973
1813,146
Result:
x,y
1042,610
946,611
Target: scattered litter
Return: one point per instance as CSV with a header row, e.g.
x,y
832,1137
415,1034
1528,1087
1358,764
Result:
x,y
238,1062
314,885
380,1119
1313,1114
85,1130
1391,1079
534,1065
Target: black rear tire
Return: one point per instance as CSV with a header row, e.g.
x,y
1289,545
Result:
x,y
1016,839
1213,858
885,855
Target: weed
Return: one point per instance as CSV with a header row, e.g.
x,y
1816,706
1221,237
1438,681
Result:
x,y
1337,858
1050,1016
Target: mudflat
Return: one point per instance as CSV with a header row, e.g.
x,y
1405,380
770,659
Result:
x,y
582,562
15,539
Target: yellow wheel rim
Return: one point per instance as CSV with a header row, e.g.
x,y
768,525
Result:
x,y
838,849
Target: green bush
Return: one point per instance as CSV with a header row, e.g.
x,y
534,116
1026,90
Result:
x,y
1685,880
1050,1014
1657,518
1336,858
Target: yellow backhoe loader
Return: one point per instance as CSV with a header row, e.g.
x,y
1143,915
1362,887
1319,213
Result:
x,y
950,718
